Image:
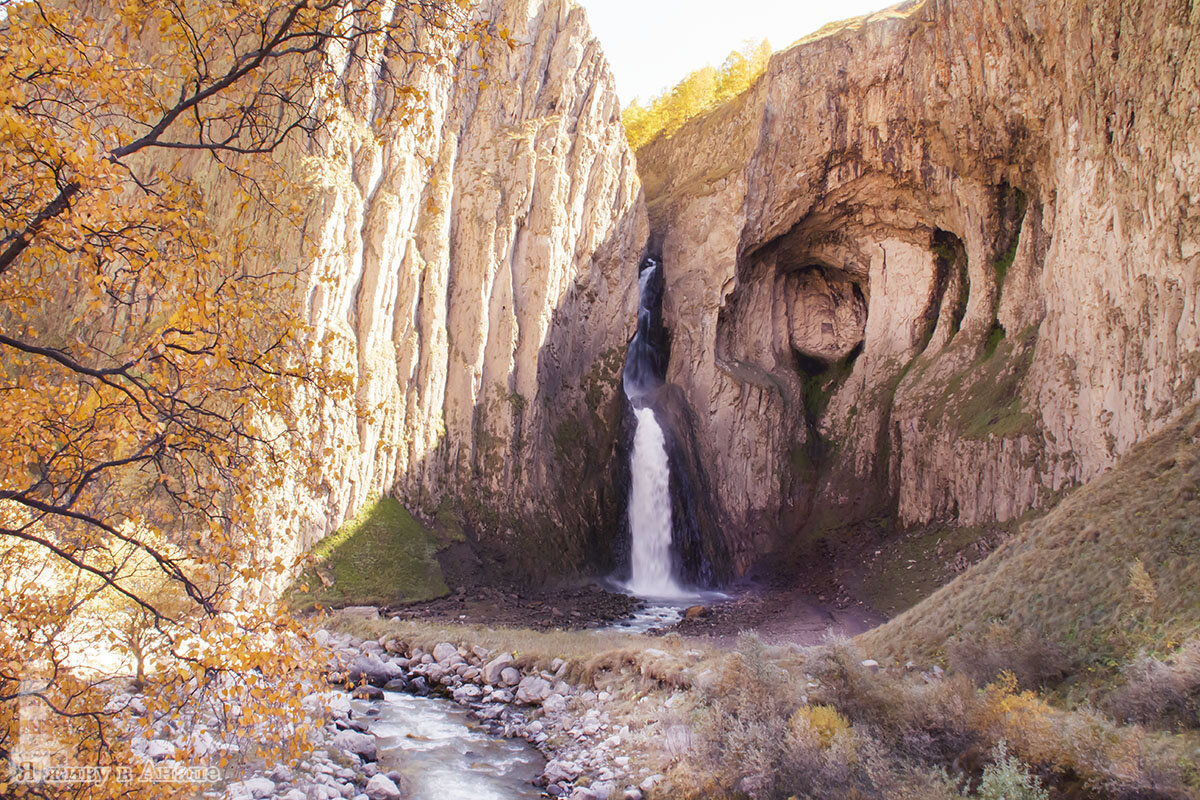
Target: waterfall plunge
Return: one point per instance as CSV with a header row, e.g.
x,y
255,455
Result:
x,y
650,511
650,474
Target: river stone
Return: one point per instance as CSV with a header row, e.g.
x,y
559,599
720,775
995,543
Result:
x,y
160,748
557,771
381,787
444,651
492,670
467,693
257,788
509,676
533,689
361,744
555,703
695,612
376,671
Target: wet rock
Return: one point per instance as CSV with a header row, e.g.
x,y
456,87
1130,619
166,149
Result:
x,y
374,670
367,693
360,744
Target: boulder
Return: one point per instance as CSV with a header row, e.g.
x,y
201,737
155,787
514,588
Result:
x,y
381,787
559,771
360,744
375,670
492,670
444,651
555,703
509,676
533,689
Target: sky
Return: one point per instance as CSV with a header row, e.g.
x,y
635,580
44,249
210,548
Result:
x,y
652,44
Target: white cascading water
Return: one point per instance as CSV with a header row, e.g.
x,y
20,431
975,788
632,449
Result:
x,y
650,511
650,474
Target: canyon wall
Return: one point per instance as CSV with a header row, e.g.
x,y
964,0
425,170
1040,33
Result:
x,y
938,263
475,272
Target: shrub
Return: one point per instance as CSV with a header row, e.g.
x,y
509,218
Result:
x,y
1007,779
744,723
1035,661
1162,693
824,722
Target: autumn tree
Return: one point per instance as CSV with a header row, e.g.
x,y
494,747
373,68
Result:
x,y
151,351
700,91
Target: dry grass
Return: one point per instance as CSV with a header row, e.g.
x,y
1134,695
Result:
x,y
827,727
594,657
1110,573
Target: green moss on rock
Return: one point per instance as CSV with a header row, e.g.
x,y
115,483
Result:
x,y
381,557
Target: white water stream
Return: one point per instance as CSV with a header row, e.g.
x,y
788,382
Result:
x,y
443,754
650,513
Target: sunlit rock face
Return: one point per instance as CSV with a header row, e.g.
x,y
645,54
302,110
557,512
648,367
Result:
x,y
478,275
942,263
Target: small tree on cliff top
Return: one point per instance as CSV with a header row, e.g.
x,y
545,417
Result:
x,y
150,352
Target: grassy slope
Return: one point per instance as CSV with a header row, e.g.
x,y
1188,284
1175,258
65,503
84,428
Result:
x,y
1067,575
381,557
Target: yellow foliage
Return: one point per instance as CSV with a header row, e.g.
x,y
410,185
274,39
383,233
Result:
x,y
1141,585
153,363
700,91
824,721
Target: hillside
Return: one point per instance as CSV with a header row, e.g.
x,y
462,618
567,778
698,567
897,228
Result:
x,y
1110,573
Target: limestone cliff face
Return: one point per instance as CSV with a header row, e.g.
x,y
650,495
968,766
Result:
x,y
477,275
943,262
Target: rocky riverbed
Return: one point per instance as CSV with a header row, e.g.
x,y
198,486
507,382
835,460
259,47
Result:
x,y
566,723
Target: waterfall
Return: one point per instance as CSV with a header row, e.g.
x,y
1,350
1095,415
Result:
x,y
650,511
650,476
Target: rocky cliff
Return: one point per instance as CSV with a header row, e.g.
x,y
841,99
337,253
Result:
x,y
476,273
941,262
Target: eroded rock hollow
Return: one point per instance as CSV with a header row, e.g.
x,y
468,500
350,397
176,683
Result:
x,y
938,264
